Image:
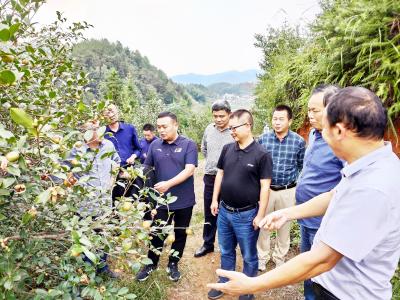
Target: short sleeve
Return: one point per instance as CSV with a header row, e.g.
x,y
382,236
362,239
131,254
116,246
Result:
x,y
150,157
220,164
191,155
265,166
357,223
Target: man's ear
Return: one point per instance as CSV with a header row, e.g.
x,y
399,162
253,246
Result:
x,y
340,130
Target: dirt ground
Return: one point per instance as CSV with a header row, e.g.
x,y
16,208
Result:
x,y
197,272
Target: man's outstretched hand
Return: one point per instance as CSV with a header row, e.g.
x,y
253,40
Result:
x,y
238,284
274,220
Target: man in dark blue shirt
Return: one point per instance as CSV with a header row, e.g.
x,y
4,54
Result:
x,y
174,159
125,140
145,142
321,171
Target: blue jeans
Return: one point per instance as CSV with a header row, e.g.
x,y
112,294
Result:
x,y
237,228
307,238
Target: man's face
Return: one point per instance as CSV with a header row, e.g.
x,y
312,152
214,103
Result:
x,y
221,118
167,128
148,135
111,114
316,110
240,128
280,121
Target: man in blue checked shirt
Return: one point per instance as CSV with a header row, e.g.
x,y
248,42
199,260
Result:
x,y
287,150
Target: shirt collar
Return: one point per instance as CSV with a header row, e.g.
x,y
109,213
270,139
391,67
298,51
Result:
x,y
121,126
247,149
215,126
369,159
176,142
284,138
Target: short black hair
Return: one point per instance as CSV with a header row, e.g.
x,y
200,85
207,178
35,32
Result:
x,y
283,107
328,89
243,112
168,114
148,127
360,110
221,105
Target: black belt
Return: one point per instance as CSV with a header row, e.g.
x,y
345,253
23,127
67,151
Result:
x,y
322,293
233,209
282,187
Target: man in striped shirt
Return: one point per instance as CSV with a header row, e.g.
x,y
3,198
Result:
x,y
287,150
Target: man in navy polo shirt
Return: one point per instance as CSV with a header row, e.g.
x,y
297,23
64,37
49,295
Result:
x,y
145,142
242,182
174,159
125,140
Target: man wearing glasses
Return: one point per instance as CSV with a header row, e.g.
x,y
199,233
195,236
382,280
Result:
x,y
242,185
287,149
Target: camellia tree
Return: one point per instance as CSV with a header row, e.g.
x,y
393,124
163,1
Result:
x,y
43,238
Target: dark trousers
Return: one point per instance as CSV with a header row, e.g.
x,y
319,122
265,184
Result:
x,y
210,221
181,218
322,294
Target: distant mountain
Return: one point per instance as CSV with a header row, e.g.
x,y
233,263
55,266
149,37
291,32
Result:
x,y
232,77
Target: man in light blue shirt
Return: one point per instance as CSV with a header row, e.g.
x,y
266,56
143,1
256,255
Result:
x,y
321,171
357,247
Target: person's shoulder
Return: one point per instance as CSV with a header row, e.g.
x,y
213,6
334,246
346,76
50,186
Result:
x,y
107,144
296,136
209,127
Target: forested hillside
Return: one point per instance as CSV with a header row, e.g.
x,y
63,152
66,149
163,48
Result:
x,y
106,61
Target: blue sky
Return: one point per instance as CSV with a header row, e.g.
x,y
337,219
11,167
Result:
x,y
185,36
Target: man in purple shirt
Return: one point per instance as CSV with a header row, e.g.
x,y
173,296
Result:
x,y
174,159
145,142
125,140
357,247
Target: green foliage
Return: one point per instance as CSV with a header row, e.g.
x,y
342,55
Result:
x,y
353,42
42,236
101,58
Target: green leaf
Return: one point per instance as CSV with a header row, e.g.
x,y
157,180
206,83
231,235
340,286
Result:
x,y
14,28
146,261
6,182
84,240
4,33
2,217
7,77
75,236
4,192
88,135
20,117
43,197
5,134
14,171
123,291
90,255
40,278
8,285
26,217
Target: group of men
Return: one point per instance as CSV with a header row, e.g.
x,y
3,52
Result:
x,y
344,184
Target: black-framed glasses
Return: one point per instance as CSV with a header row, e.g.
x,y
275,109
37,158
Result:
x,y
233,128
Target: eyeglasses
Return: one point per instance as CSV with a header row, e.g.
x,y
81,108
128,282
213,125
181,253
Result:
x,y
233,128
